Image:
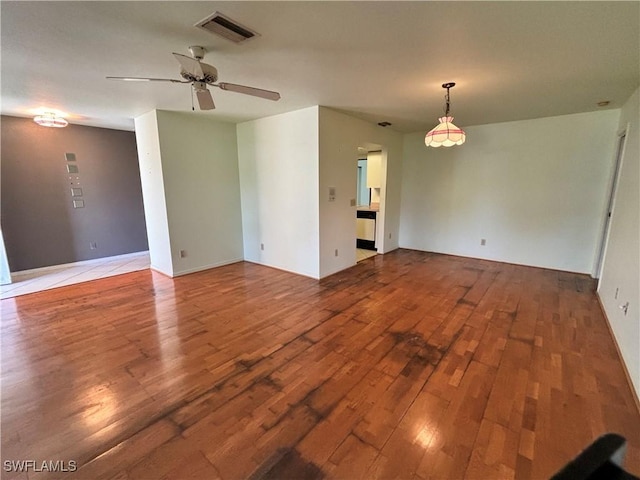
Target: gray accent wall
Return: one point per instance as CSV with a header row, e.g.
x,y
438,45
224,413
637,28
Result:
x,y
40,225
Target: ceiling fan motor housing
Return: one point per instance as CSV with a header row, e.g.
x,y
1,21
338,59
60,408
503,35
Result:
x,y
210,74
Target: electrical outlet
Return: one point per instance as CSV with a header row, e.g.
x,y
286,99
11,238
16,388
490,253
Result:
x,y
93,245
336,252
483,241
183,253
262,246
625,308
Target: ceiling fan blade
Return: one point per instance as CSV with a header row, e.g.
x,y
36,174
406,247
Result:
x,y
205,100
190,65
256,92
145,79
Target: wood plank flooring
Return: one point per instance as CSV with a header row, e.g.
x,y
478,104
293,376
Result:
x,y
409,365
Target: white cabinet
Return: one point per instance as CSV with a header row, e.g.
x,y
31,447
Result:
x,y
374,169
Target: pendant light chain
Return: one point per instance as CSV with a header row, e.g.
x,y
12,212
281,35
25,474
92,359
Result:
x,y
446,97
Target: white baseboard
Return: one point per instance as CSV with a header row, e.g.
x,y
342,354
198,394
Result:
x,y
206,267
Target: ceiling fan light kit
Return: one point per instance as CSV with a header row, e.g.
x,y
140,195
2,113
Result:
x,y
50,119
445,134
200,75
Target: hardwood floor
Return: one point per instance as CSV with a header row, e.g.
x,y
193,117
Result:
x,y
408,365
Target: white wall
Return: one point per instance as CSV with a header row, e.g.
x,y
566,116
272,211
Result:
x,y
5,273
278,160
340,136
202,186
153,194
621,266
534,189
191,187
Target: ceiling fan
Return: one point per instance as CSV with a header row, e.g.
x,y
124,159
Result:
x,y
199,75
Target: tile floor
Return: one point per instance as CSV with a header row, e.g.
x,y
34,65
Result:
x,y
362,254
31,281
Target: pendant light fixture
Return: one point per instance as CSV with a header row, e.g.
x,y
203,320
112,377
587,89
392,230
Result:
x,y
50,119
446,134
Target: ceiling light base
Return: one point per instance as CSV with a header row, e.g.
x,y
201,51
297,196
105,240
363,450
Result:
x,y
50,119
197,52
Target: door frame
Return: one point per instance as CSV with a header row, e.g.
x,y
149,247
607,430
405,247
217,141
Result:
x,y
621,140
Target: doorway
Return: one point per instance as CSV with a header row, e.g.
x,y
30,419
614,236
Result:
x,y
368,200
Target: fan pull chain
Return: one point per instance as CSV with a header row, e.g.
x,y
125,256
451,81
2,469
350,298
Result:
x,y
193,109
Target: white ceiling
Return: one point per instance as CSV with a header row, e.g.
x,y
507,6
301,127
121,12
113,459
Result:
x,y
376,60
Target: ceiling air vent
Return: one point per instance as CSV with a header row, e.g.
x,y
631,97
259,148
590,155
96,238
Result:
x,y
225,27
